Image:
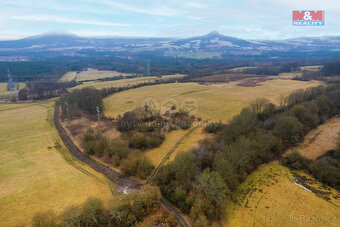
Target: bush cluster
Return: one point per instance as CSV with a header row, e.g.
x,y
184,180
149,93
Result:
x,y
126,212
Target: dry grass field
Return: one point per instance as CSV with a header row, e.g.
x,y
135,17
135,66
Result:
x,y
311,67
36,176
269,197
90,74
320,140
156,155
123,82
215,102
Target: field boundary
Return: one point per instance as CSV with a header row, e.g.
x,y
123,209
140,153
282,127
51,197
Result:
x,y
167,156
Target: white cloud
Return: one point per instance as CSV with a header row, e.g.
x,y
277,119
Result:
x,y
67,20
160,10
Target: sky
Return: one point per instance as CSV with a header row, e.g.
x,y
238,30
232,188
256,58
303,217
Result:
x,y
246,19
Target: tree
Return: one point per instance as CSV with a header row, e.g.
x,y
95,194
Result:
x,y
211,188
210,185
22,95
289,129
93,213
226,171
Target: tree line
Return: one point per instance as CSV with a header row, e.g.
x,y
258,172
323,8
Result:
x,y
199,181
44,90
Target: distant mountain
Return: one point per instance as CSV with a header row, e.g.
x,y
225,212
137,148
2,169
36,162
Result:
x,y
211,42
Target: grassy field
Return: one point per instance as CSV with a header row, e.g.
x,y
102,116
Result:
x,y
156,155
320,140
291,75
215,102
34,174
269,197
91,74
123,82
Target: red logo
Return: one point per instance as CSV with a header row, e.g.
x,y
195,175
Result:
x,y
308,15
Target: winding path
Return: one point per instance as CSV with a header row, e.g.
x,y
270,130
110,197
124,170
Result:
x,y
112,175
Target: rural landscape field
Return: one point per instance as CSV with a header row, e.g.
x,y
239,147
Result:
x,y
140,113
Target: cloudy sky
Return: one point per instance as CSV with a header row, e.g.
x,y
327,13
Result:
x,y
249,19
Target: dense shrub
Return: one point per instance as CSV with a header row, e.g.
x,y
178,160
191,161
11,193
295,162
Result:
x,y
134,208
140,167
289,130
93,213
119,148
124,212
295,161
138,141
327,171
213,127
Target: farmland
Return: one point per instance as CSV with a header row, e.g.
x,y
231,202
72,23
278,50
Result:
x,y
123,82
37,173
215,102
90,74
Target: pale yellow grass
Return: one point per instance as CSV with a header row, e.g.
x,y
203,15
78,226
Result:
x,y
311,67
189,143
214,102
320,140
290,75
269,197
123,82
114,83
90,74
34,176
156,155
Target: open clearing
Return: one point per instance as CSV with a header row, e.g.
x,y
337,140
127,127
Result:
x,y
215,102
90,74
123,82
269,197
320,140
35,176
156,155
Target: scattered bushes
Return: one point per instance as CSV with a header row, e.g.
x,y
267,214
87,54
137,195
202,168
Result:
x,y
126,212
134,208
